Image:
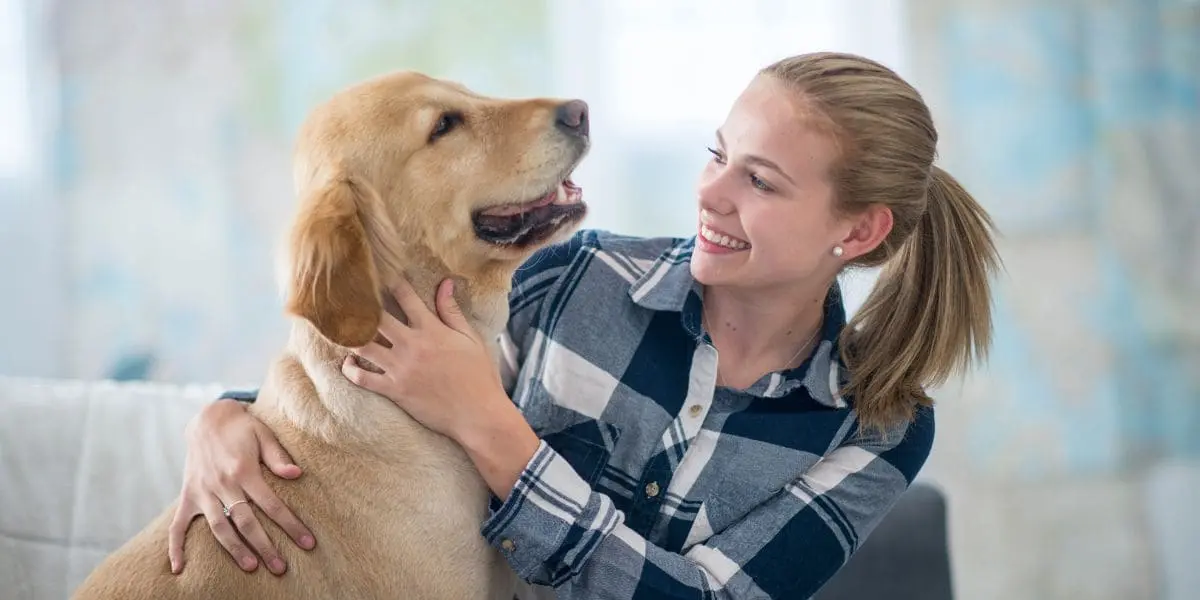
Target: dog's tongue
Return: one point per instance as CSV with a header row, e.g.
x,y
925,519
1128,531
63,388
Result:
x,y
512,210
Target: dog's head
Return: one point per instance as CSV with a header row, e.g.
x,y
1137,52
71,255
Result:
x,y
405,172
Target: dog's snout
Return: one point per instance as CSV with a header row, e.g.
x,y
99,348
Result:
x,y
572,117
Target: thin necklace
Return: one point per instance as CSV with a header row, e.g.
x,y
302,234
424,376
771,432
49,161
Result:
x,y
704,323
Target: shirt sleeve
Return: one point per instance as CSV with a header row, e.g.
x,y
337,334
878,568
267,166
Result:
x,y
555,530
247,396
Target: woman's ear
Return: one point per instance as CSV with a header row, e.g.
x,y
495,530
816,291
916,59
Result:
x,y
868,229
334,281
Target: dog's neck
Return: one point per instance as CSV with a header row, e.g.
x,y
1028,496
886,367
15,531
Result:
x,y
346,412
487,315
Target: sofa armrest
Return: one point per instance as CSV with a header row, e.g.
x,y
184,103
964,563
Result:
x,y
906,557
84,465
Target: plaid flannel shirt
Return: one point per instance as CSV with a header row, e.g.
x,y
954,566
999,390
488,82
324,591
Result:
x,y
651,481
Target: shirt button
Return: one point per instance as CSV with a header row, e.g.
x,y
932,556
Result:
x,y
652,489
695,410
508,545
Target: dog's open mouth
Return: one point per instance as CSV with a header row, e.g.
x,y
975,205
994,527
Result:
x,y
531,222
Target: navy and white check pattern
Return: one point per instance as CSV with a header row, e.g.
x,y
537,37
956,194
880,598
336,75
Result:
x,y
653,482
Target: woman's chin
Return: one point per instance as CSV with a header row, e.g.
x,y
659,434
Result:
x,y
707,273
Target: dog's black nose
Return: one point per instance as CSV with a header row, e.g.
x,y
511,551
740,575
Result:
x,y
572,117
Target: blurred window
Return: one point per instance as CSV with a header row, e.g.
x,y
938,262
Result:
x,y
15,134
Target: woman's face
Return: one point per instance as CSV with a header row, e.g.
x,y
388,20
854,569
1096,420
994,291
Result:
x,y
765,197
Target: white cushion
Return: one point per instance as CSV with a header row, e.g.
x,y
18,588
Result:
x,y
83,467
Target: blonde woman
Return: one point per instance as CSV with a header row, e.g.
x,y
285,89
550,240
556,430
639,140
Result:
x,y
694,418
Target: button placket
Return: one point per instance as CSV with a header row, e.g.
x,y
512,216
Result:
x,y
703,387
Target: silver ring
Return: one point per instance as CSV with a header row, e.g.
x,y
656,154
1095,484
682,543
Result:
x,y
229,507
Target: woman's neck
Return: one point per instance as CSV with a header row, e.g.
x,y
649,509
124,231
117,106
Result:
x,y
764,330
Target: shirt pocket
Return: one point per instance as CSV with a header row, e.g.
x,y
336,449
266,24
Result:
x,y
742,489
587,446
585,442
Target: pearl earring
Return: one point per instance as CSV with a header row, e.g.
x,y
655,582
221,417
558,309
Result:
x,y
837,250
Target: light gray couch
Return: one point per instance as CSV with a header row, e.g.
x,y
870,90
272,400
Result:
x,y
84,465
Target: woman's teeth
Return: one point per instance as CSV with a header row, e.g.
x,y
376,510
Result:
x,y
722,240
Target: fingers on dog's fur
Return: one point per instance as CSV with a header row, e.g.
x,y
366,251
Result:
x,y
227,536
374,353
274,456
391,330
177,533
407,299
335,284
450,311
360,376
278,512
252,531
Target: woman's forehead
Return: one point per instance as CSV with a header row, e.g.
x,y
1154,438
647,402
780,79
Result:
x,y
770,120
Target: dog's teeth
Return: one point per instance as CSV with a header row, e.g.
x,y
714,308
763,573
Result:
x,y
567,194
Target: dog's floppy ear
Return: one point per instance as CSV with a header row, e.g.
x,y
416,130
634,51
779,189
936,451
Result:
x,y
334,281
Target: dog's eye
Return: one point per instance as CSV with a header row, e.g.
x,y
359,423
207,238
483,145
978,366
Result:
x,y
445,125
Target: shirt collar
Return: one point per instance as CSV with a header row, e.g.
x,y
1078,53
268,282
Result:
x,y
668,285
668,282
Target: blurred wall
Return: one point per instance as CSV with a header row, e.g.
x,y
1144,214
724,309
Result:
x,y
1072,459
163,167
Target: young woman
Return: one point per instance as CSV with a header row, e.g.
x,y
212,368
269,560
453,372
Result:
x,y
687,418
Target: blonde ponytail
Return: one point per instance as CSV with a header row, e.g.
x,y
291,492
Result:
x,y
930,311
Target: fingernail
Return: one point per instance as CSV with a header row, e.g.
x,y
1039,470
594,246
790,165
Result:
x,y
248,563
306,542
174,567
277,565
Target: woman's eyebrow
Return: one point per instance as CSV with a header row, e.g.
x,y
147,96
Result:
x,y
758,160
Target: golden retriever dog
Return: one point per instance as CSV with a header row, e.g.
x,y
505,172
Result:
x,y
409,176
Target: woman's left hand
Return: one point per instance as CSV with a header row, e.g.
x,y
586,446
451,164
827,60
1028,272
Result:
x,y
438,369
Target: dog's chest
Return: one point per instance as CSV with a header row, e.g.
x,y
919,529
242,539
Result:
x,y
394,521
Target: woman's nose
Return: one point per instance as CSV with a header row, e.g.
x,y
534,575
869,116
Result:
x,y
713,195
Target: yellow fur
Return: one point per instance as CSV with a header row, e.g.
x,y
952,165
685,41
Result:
x,y
396,508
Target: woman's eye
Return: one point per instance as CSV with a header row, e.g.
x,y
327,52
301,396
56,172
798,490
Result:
x,y
717,155
757,182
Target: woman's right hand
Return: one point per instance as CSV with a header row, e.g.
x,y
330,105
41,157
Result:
x,y
224,445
